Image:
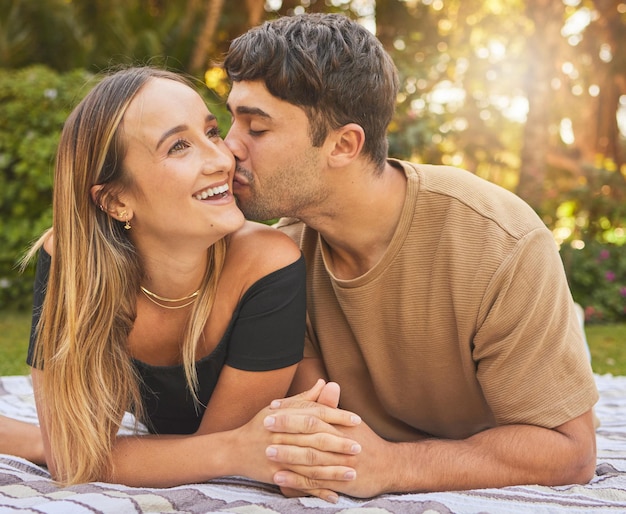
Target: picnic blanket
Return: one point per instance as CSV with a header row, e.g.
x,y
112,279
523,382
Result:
x,y
28,488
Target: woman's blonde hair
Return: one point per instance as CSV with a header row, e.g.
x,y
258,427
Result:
x,y
90,304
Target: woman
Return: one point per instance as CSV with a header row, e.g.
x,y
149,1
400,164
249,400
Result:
x,y
161,299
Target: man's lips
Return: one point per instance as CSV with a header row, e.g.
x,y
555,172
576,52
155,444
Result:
x,y
240,180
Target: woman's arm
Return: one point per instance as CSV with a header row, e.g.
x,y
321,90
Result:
x,y
170,460
239,395
21,439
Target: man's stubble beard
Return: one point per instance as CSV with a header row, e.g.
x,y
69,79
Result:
x,y
287,193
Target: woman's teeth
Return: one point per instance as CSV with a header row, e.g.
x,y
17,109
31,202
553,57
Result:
x,y
212,191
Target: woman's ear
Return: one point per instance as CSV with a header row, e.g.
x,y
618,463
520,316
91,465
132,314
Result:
x,y
110,203
97,196
347,142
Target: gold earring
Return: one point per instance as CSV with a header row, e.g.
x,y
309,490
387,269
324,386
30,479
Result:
x,y
127,224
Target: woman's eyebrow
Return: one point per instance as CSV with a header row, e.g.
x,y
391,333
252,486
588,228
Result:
x,y
168,133
181,128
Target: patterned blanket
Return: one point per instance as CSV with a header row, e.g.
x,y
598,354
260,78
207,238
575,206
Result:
x,y
28,488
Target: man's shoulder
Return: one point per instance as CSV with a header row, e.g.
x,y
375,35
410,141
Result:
x,y
470,195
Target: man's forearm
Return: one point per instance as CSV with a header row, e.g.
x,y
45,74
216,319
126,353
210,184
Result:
x,y
502,456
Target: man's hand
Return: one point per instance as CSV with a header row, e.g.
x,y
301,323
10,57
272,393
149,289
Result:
x,y
314,426
368,468
497,457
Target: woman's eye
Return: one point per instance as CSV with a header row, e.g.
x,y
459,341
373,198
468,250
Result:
x,y
178,146
213,132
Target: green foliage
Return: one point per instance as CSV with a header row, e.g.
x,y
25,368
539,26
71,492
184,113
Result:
x,y
99,34
464,73
34,103
590,224
597,276
592,206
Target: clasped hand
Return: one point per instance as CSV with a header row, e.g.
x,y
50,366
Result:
x,y
317,446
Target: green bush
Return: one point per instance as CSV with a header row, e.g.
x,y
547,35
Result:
x,y
597,277
590,225
34,102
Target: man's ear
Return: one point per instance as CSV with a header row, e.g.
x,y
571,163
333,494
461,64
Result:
x,y
347,144
110,203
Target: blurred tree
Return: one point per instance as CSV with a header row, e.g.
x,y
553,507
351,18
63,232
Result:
x,y
586,152
544,42
461,69
521,92
605,53
524,93
39,32
205,42
16,37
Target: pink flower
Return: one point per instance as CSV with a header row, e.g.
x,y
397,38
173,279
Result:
x,y
622,292
604,255
610,276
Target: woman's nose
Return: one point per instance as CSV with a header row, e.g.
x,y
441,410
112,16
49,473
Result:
x,y
233,144
218,158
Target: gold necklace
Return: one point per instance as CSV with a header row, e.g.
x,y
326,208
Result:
x,y
153,297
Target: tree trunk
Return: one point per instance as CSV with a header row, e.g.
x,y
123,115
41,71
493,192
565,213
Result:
x,y
388,12
201,52
547,16
613,80
256,9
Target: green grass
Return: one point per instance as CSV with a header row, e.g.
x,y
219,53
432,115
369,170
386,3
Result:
x,y
14,334
606,342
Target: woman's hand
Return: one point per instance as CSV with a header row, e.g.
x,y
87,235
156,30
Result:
x,y
301,421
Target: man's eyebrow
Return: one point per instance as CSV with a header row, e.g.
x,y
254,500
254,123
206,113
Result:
x,y
250,111
181,128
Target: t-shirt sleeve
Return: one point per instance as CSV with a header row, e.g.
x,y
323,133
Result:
x,y
311,344
39,293
292,227
530,352
268,332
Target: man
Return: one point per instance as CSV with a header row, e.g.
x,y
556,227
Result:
x,y
437,301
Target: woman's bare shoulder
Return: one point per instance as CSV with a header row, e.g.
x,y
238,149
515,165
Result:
x,y
261,248
48,242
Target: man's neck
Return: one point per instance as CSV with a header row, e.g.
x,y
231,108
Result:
x,y
363,222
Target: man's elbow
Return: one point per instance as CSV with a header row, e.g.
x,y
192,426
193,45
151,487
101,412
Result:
x,y
580,467
583,466
577,461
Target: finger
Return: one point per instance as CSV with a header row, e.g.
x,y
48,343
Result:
x,y
322,442
306,397
310,420
330,395
324,494
313,477
292,456
294,480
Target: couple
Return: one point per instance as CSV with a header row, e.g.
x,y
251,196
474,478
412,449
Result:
x,y
436,301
